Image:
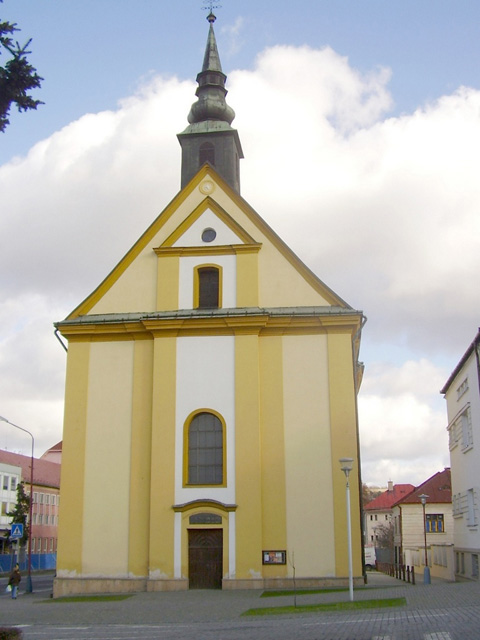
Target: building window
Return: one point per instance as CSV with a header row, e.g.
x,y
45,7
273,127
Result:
x,y
463,388
471,508
434,523
466,426
4,508
205,450
5,483
460,430
474,565
207,153
207,287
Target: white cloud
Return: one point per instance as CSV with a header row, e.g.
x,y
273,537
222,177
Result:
x,y
402,422
383,209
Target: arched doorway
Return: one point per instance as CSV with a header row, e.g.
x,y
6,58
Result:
x,y
205,558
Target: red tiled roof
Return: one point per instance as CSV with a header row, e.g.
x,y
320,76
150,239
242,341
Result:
x,y
438,488
45,472
388,498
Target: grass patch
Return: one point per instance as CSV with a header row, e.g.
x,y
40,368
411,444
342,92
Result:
x,y
334,606
100,598
301,592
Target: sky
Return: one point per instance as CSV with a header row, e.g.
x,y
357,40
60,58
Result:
x,y
360,125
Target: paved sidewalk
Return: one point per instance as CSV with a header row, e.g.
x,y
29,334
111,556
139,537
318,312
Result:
x,y
211,606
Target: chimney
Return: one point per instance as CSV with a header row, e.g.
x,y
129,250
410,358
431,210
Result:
x,y
390,485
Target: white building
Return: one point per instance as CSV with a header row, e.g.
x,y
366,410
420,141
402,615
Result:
x,y
10,476
462,393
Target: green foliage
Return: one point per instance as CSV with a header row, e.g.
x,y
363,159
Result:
x,y
92,598
369,494
10,633
334,606
20,511
17,77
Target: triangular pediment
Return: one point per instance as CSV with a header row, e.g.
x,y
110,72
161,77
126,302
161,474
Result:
x,y
207,202
208,225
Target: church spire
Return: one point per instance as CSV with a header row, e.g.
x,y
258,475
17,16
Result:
x,y
209,136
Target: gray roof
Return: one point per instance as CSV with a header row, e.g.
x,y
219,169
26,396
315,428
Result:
x,y
183,314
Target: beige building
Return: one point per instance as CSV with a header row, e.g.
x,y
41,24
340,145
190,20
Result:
x,y
211,390
415,535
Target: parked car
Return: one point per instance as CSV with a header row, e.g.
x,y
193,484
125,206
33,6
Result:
x,y
370,558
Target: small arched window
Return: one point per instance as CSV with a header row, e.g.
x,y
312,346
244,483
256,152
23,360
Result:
x,y
208,287
207,153
205,450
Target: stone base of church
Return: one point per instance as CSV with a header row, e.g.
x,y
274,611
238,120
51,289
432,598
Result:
x,y
63,587
180,584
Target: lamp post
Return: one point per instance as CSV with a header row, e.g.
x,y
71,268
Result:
x,y
346,464
426,571
29,588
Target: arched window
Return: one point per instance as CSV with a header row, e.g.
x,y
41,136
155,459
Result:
x,y
205,442
207,153
208,287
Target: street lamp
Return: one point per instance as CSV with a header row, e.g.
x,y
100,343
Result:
x,y
426,571
346,464
29,588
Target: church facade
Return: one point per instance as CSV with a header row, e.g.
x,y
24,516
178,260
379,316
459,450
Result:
x,y
211,389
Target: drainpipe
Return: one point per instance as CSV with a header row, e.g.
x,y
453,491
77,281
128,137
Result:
x,y
57,335
359,470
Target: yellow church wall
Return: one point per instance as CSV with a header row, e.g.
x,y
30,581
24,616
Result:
x,y
107,457
70,525
135,290
248,458
344,445
280,284
162,489
308,467
140,459
274,525
168,269
247,280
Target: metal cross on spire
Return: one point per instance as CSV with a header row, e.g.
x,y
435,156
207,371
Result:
x,y
210,6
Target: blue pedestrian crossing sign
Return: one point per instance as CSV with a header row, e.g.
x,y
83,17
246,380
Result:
x,y
16,530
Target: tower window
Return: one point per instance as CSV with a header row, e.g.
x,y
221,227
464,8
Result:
x,y
207,153
205,450
208,279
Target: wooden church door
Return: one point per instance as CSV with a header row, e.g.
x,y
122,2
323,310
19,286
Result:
x,y
205,558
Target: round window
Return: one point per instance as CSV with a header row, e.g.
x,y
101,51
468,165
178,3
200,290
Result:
x,y
209,235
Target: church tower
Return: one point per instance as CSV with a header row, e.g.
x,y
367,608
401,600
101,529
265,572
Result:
x,y
210,392
209,136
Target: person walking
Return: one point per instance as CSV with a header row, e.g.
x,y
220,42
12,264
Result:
x,y
14,580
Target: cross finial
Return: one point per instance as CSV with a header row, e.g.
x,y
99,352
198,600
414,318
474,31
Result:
x,y
210,6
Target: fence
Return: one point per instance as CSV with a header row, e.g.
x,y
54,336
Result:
x,y
399,571
40,562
